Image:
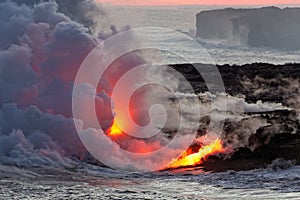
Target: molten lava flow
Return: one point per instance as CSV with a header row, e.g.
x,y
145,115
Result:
x,y
197,158
114,130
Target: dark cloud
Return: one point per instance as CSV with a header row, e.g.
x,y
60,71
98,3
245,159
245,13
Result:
x,y
32,120
14,20
86,12
41,50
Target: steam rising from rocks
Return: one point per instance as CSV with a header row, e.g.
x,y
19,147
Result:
x,y
42,48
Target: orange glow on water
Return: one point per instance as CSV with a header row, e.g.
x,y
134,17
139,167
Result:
x,y
197,158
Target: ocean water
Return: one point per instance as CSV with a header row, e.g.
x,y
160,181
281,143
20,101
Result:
x,y
182,19
91,182
63,178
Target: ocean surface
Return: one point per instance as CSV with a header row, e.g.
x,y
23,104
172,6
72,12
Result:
x,y
61,178
182,20
91,182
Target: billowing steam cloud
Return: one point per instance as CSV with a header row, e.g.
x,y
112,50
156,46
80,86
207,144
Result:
x,y
42,47
41,51
86,12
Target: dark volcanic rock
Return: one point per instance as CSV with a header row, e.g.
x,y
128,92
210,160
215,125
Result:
x,y
279,138
283,147
273,78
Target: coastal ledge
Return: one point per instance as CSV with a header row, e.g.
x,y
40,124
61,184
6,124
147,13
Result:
x,y
236,77
256,27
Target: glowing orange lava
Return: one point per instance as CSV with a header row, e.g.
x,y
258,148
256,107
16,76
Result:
x,y
197,158
114,130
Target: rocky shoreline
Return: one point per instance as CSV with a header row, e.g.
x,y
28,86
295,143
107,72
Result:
x,y
276,144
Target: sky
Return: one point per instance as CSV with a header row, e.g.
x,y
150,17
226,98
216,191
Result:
x,y
199,2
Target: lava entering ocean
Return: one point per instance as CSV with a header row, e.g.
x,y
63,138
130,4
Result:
x,y
114,130
192,159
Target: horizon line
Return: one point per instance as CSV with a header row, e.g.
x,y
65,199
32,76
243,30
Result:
x,y
176,5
